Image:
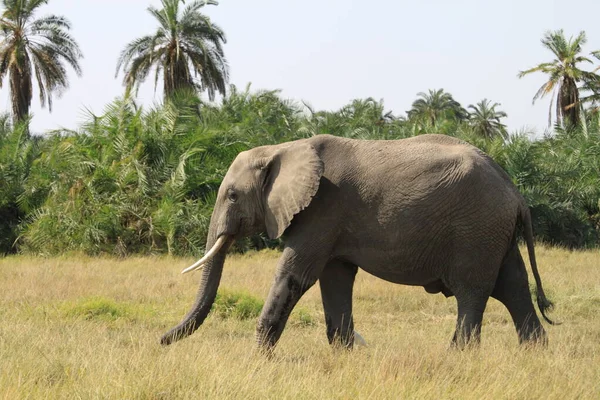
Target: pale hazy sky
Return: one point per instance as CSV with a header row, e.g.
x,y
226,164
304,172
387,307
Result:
x,y
328,52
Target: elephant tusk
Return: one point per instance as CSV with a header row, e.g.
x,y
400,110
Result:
x,y
200,263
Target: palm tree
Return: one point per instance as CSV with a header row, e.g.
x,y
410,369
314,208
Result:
x,y
366,112
564,75
186,42
39,47
485,120
436,105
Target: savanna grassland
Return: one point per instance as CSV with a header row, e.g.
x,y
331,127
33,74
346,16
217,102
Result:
x,y
78,327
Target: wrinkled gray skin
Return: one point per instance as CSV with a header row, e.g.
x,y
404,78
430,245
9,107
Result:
x,y
428,211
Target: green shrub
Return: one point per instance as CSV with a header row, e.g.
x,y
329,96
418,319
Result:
x,y
97,308
239,305
302,317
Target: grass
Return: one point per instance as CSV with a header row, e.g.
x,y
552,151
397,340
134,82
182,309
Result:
x,y
78,327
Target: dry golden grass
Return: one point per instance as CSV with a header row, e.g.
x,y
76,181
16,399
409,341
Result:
x,y
78,327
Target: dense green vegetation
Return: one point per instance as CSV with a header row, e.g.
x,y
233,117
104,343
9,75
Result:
x,y
142,181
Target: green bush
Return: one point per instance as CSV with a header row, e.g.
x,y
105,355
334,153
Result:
x,y
238,305
97,308
302,317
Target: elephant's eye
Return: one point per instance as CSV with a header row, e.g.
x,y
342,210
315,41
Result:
x,y
232,196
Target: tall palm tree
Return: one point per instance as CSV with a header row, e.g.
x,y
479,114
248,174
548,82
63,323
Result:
x,y
485,120
436,105
186,45
39,47
564,75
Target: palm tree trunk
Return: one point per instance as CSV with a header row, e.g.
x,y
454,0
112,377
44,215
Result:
x,y
20,90
177,75
570,98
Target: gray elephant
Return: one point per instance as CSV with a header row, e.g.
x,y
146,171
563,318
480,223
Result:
x,y
429,211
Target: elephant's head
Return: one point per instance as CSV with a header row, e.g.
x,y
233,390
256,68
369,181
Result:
x,y
262,191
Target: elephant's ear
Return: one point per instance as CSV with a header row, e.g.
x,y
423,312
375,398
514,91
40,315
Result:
x,y
291,180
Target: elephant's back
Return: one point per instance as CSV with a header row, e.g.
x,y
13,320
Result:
x,y
391,174
423,150
417,160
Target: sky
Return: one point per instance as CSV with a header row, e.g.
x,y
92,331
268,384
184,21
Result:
x,y
328,52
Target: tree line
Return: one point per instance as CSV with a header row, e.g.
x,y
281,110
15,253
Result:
x,y
135,181
143,181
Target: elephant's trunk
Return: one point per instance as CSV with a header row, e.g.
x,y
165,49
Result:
x,y
209,283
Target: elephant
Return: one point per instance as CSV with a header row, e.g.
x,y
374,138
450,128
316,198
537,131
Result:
x,y
430,211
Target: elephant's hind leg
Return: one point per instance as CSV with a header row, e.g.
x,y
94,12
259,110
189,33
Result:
x,y
337,282
471,305
472,281
512,289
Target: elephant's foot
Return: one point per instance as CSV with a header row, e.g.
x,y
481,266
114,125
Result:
x,y
533,336
468,325
348,342
461,341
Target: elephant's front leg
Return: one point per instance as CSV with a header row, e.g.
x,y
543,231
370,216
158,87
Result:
x,y
337,282
295,275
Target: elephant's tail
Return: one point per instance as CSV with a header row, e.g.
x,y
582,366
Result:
x,y
543,303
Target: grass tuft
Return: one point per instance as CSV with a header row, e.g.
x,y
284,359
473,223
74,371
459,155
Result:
x,y
97,308
239,305
302,317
